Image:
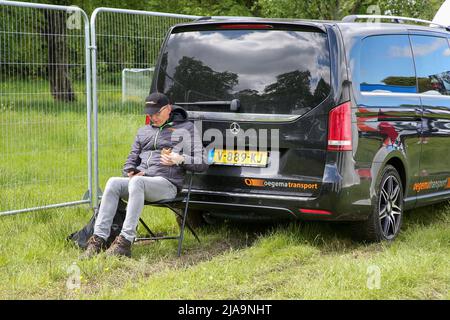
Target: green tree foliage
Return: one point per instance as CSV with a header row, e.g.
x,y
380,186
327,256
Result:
x,y
325,9
311,9
337,9
424,9
204,7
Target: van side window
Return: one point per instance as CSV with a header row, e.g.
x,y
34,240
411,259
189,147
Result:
x,y
432,57
386,65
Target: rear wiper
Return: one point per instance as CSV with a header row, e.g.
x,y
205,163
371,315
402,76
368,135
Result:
x,y
234,104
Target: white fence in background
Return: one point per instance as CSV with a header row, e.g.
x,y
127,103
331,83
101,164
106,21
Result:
x,y
121,40
45,107
58,70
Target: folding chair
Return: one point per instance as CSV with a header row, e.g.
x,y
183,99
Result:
x,y
170,203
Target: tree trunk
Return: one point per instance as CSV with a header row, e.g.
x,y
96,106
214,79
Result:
x,y
58,64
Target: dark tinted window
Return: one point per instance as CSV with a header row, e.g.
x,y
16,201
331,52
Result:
x,y
386,64
432,56
269,71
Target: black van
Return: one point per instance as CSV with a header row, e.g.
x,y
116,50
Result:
x,y
339,121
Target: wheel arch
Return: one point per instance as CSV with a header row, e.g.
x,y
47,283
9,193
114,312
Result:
x,y
398,164
398,161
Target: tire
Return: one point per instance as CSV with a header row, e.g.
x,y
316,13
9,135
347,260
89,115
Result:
x,y
385,221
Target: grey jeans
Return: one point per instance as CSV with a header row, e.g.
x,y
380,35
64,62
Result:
x,y
137,190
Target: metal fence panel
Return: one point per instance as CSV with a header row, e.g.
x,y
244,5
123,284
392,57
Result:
x,y
45,103
125,44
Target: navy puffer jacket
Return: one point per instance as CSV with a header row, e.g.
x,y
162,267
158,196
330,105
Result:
x,y
177,133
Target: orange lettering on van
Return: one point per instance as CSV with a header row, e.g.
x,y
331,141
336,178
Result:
x,y
421,186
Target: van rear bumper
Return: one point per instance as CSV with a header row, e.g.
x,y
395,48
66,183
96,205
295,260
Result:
x,y
250,206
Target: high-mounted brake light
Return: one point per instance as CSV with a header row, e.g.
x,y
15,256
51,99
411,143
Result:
x,y
245,26
340,128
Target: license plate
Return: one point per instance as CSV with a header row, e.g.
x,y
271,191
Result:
x,y
244,158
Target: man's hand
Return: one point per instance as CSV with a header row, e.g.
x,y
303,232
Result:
x,y
171,159
133,173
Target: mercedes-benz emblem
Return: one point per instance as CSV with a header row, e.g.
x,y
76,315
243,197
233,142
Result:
x,y
235,128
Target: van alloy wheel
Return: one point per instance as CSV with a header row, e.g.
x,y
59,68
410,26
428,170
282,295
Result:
x,y
385,220
390,207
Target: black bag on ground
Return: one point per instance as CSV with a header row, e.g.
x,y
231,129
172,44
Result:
x,y
80,238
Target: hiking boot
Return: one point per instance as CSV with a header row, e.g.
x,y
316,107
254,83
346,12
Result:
x,y
94,246
120,247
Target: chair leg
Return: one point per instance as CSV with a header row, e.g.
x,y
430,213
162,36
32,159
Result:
x,y
181,237
147,228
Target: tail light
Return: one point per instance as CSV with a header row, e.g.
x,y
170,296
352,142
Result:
x,y
340,128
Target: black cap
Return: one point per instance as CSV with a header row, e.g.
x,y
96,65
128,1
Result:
x,y
154,102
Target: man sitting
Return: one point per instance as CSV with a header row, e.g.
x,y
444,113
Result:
x,y
160,155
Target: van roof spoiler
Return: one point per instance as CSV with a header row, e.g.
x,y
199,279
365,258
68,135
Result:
x,y
318,24
396,19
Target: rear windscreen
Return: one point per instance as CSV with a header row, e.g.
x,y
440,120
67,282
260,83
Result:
x,y
268,71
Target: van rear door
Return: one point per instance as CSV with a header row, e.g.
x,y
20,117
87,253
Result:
x,y
260,94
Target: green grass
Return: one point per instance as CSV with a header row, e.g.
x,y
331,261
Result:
x,y
43,161
234,261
